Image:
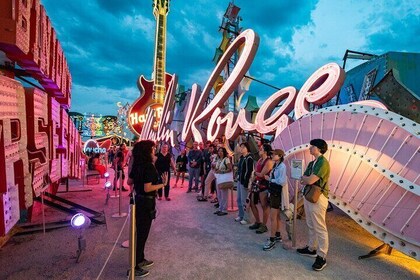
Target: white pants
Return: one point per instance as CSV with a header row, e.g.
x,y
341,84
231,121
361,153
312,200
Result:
x,y
315,219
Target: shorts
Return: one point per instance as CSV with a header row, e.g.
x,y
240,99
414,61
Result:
x,y
275,201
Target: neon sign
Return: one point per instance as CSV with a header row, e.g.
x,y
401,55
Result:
x,y
91,146
320,87
136,118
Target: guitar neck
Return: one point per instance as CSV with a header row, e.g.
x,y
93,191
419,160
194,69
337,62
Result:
x,y
160,59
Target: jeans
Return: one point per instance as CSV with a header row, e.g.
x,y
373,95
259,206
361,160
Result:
x,y
241,200
193,173
223,195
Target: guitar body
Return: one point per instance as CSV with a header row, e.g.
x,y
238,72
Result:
x,y
137,113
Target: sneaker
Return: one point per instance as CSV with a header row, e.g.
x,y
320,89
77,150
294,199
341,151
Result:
x,y
168,198
238,219
254,226
319,263
216,205
159,198
221,213
306,252
139,272
269,245
278,239
124,189
201,198
145,263
217,212
261,229
244,222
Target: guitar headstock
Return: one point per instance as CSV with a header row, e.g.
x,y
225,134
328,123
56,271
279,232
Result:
x,y
160,7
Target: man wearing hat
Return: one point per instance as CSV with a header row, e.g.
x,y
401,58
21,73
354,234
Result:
x,y
317,173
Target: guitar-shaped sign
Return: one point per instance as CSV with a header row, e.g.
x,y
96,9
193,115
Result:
x,y
152,92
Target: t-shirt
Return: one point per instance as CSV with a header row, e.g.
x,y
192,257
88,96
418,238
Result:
x,y
195,155
181,163
163,163
322,170
142,174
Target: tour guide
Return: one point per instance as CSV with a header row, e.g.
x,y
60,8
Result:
x,y
145,178
317,173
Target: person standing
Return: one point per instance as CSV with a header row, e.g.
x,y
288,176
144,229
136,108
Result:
x,y
163,163
245,169
194,158
262,168
223,168
317,173
181,167
146,181
111,153
208,158
277,183
119,165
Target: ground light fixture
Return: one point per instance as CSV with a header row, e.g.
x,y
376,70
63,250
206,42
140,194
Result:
x,y
80,222
108,185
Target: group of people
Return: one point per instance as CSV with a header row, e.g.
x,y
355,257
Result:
x,y
263,182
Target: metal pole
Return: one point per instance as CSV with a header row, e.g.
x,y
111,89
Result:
x,y
132,240
119,193
119,214
43,213
295,214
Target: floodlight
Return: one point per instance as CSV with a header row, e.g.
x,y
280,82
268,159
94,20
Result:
x,y
80,221
106,175
107,185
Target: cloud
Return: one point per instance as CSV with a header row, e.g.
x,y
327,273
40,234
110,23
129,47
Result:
x,y
109,43
87,99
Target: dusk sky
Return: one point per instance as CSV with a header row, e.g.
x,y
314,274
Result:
x,y
109,43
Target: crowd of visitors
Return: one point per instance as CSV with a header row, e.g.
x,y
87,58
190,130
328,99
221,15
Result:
x,y
262,191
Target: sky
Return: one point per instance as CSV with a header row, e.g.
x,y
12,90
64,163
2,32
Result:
x,y
109,43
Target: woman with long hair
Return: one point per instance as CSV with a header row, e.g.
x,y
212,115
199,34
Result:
x,y
146,182
223,167
262,168
277,185
181,167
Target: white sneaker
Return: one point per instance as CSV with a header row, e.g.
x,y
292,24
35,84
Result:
x,y
238,219
244,222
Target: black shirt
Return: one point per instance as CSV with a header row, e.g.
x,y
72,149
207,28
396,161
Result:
x,y
142,174
163,163
120,158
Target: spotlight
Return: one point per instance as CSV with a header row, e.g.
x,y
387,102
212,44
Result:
x,y
106,175
80,221
107,185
